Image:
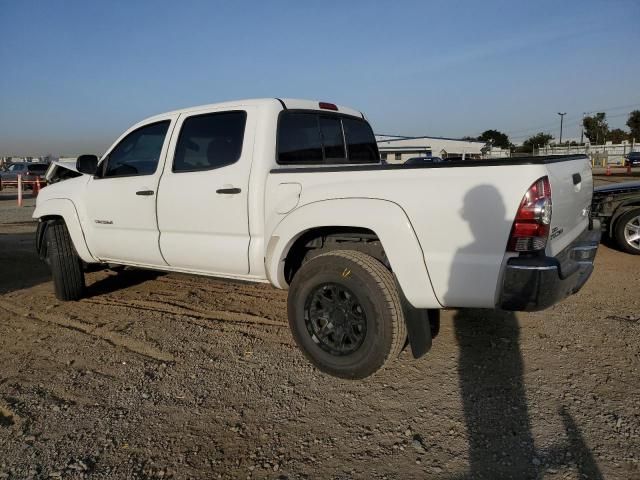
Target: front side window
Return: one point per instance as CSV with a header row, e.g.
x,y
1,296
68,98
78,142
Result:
x,y
308,138
210,141
138,153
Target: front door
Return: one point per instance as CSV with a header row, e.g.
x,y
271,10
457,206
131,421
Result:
x,y
121,199
203,194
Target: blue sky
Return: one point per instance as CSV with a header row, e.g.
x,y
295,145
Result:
x,y
75,74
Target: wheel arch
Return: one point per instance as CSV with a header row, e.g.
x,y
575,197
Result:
x,y
385,221
64,209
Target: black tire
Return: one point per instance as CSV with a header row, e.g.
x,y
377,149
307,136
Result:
x,y
633,217
66,266
369,295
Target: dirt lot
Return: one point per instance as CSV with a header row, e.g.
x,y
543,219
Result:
x,y
168,376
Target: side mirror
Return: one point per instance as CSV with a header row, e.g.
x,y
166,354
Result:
x,y
87,164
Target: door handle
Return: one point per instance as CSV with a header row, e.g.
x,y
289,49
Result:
x,y
144,193
576,178
228,191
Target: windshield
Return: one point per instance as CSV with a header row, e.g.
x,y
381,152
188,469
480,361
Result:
x,y
16,167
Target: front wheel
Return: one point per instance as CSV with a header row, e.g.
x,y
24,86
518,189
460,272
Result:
x,y
66,266
345,314
627,231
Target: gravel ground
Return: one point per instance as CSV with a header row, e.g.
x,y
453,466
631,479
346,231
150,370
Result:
x,y
9,211
168,376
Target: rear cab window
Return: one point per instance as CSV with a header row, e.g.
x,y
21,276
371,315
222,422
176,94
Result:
x,y
319,138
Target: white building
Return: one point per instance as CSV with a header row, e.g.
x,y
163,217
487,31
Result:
x,y
397,149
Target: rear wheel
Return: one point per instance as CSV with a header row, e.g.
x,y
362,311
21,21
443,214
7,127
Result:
x,y
345,313
627,231
66,266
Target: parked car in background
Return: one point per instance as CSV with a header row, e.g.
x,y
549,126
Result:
x,y
617,207
632,159
29,172
423,160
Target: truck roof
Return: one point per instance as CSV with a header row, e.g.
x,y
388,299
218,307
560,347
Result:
x,y
288,103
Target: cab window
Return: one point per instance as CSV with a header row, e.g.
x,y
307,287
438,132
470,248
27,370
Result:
x,y
138,153
310,138
209,141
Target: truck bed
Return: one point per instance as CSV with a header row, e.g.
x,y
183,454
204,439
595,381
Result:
x,y
462,219
495,162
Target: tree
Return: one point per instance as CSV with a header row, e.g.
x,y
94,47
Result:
x,y
634,125
617,135
596,127
538,140
496,138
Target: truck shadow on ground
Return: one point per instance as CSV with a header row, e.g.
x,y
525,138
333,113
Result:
x,y
491,371
20,266
120,279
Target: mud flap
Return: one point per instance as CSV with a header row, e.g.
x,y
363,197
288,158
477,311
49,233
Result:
x,y
422,326
41,243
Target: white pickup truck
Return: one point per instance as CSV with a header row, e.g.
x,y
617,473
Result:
x,y
293,192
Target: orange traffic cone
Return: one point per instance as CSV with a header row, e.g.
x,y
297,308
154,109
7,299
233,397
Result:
x,y
608,170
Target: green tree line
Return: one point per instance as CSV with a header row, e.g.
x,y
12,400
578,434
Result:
x,y
595,128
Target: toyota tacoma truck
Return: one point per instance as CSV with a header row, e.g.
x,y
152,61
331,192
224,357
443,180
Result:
x,y
293,192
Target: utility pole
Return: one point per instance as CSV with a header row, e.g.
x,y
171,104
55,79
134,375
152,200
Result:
x,y
582,129
562,114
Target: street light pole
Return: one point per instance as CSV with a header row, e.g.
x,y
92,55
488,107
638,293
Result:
x,y
562,114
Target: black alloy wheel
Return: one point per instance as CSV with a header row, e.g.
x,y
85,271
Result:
x,y
345,313
335,319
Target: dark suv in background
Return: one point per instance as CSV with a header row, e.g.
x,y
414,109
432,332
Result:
x,y
632,159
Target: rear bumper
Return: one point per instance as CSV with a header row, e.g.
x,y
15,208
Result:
x,y
536,283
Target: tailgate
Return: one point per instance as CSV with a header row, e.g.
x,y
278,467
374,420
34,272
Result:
x,y
571,192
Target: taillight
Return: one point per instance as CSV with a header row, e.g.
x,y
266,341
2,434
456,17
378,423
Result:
x,y
530,229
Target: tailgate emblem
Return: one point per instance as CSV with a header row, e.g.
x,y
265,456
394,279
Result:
x,y
556,232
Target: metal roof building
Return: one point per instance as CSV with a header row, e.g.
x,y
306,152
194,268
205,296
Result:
x,y
398,149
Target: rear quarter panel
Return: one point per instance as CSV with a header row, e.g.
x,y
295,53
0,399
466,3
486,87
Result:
x,y
461,216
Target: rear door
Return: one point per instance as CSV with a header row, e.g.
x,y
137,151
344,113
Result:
x,y
571,192
203,194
